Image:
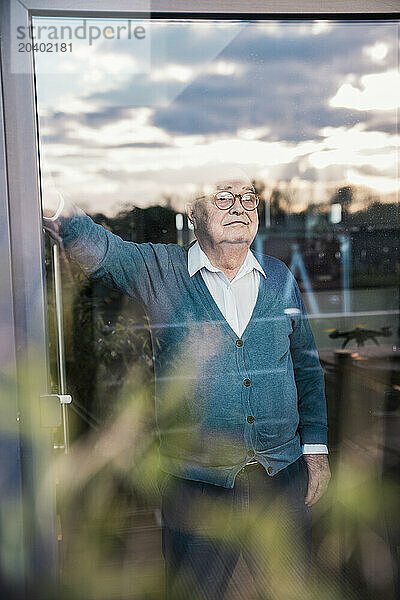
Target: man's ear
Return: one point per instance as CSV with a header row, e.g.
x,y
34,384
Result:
x,y
191,213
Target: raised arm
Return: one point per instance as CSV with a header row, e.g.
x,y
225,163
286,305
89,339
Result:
x,y
137,270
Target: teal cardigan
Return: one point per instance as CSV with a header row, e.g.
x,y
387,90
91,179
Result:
x,y
219,399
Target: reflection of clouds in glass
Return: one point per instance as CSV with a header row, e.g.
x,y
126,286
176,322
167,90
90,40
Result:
x,y
173,72
184,73
383,185
132,127
377,52
376,91
89,66
226,149
89,70
321,27
357,138
68,104
356,147
254,133
280,29
173,167
343,156
254,94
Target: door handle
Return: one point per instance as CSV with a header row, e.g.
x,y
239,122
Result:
x,y
58,409
50,409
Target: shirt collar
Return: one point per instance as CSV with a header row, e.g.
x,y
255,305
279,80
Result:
x,y
198,259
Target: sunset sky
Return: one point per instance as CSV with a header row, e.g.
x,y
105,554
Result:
x,y
312,105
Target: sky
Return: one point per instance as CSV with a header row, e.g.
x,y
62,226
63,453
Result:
x,y
304,106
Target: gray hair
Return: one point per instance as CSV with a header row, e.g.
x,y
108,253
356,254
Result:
x,y
214,177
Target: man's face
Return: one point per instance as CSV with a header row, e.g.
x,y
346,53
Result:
x,y
234,225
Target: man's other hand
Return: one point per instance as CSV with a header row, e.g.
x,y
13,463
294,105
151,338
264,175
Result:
x,y
319,475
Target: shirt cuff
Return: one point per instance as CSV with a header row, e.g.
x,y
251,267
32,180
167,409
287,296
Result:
x,y
314,449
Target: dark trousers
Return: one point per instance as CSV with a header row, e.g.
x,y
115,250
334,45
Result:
x,y
206,528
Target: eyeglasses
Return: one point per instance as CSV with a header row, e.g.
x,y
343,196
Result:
x,y
224,200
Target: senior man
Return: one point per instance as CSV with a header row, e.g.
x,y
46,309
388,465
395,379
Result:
x,y
240,402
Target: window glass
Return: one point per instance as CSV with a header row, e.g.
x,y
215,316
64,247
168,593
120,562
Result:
x,y
134,125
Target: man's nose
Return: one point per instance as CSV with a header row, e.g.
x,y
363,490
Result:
x,y
237,207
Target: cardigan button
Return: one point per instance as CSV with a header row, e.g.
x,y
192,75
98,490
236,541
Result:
x,y
247,382
250,419
270,469
251,453
239,343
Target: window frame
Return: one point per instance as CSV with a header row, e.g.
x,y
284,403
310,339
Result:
x,y
25,333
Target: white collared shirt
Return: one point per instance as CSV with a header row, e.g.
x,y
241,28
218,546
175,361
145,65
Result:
x,y
235,299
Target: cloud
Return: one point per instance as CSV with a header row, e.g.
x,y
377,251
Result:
x,y
377,52
207,77
184,73
356,147
258,95
377,91
383,185
285,84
